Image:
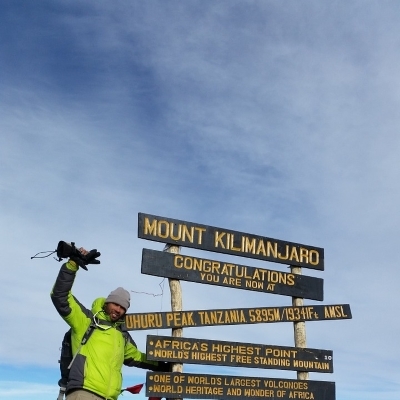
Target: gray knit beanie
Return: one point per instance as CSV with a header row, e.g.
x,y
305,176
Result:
x,y
119,296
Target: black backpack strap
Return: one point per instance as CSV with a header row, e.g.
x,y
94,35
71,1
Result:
x,y
128,338
65,358
85,338
87,334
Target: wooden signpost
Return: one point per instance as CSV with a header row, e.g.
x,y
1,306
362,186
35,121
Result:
x,y
218,273
204,237
179,350
235,354
235,316
202,386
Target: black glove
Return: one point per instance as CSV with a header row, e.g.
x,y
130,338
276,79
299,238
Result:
x,y
65,250
68,250
90,258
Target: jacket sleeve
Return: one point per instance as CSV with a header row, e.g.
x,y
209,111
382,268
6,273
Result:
x,y
73,312
135,358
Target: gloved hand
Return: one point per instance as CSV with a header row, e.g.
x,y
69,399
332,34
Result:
x,y
80,256
90,258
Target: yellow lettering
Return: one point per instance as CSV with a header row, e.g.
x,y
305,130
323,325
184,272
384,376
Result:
x,y
329,311
303,255
187,234
314,257
293,254
178,261
286,256
290,279
197,264
200,232
272,249
178,237
232,244
340,312
249,245
261,248
218,239
150,229
163,233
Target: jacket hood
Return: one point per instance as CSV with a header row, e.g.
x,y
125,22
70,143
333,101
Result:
x,y
98,304
98,310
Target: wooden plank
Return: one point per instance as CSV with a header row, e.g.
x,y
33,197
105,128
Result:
x,y
236,354
202,386
235,316
236,276
220,240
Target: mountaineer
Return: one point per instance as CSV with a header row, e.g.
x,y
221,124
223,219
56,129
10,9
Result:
x,y
100,343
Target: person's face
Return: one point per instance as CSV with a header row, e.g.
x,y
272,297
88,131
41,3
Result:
x,y
114,311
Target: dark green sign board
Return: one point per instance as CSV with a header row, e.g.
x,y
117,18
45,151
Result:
x,y
236,354
193,269
220,240
235,316
201,386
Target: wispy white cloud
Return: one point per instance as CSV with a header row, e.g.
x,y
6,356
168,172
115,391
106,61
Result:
x,y
26,390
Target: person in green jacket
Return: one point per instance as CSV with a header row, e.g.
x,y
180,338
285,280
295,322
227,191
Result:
x,y
96,370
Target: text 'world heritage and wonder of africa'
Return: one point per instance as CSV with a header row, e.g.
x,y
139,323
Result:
x,y
198,386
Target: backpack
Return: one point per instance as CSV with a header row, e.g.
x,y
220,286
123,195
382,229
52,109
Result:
x,y
66,357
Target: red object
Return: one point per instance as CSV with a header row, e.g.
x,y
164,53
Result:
x,y
134,389
155,398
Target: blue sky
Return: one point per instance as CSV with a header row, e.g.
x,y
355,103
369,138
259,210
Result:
x,y
274,118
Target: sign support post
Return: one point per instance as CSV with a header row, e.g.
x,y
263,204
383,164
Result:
x,y
299,327
176,301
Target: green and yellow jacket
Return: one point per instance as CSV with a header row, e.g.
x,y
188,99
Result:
x,y
98,365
